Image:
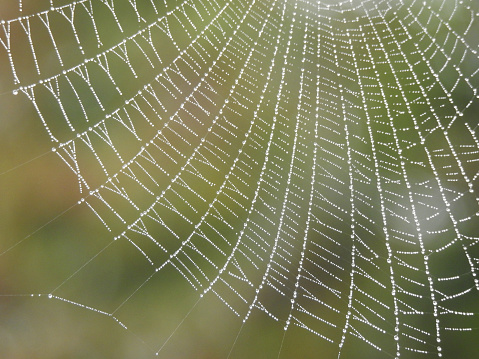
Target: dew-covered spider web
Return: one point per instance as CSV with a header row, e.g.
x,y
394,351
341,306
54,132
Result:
x,y
242,178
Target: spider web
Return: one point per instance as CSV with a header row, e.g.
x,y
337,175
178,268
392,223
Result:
x,y
307,164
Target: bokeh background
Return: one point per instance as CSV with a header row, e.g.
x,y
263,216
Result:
x,y
48,240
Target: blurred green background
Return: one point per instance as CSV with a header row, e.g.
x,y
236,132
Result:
x,y
49,242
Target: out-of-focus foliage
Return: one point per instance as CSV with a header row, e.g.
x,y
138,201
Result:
x,y
169,169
